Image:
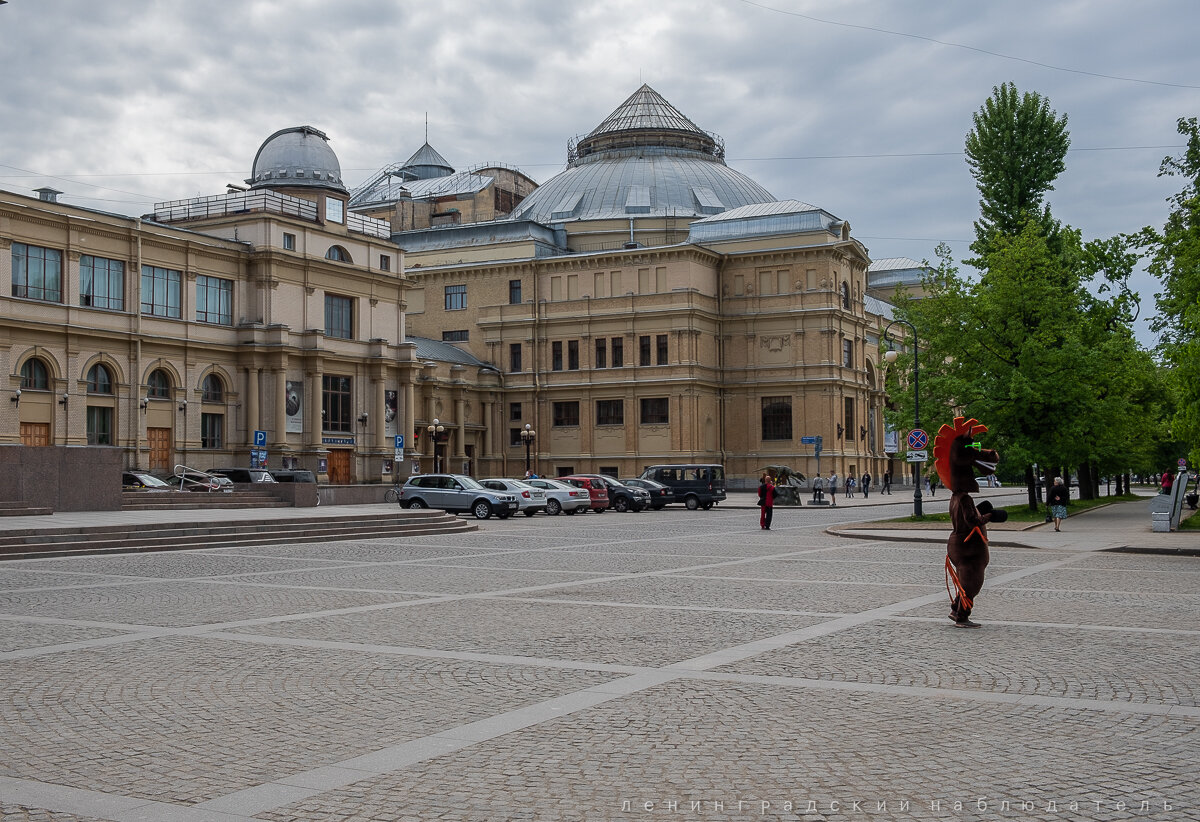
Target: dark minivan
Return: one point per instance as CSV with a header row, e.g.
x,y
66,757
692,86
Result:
x,y
696,485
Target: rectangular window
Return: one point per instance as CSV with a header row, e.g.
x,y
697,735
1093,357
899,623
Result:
x,y
514,357
36,272
849,407
456,297
644,350
514,437
566,414
161,292
101,282
514,412
339,317
572,355
289,241
660,356
385,262
214,300
776,418
556,356
212,430
610,412
514,292
655,411
847,353
601,352
335,403
618,352
455,336
99,425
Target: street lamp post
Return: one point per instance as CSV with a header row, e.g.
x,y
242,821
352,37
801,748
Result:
x,y
528,435
890,355
436,431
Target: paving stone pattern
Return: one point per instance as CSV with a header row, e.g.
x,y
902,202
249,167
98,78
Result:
x,y
578,668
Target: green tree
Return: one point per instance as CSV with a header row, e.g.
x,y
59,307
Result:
x,y
1015,152
1175,261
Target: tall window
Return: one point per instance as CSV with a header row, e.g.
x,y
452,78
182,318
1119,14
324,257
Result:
x,y
158,385
212,430
556,356
566,414
655,411
644,350
289,241
212,389
35,375
160,292
214,300
339,317
514,357
101,282
776,418
99,380
514,412
610,412
514,292
848,353
456,297
335,402
572,355
846,296
385,262
601,352
618,352
36,272
660,356
849,414
99,425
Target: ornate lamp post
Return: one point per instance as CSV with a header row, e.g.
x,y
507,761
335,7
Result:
x,y
437,433
528,435
890,355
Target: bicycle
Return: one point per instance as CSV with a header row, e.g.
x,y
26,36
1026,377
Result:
x,y
393,494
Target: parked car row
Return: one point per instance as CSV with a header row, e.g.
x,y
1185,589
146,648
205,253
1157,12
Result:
x,y
695,486
216,479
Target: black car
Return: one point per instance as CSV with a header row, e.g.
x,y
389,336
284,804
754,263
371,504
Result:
x,y
142,481
244,474
660,495
293,475
622,497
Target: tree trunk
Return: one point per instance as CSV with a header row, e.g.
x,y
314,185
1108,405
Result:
x,y
1094,473
1085,481
1029,486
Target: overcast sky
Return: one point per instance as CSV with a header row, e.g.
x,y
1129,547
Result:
x,y
859,106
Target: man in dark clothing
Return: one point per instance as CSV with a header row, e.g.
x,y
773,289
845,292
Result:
x,y
866,484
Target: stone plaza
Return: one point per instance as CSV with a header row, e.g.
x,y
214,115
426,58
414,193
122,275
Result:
x,y
668,665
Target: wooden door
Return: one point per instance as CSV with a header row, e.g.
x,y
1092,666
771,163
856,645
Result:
x,y
339,467
35,433
160,448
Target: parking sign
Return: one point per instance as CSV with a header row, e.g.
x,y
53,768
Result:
x,y
260,439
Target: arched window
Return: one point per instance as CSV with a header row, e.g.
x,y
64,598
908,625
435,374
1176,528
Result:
x,y
338,254
846,295
99,380
34,375
213,390
158,386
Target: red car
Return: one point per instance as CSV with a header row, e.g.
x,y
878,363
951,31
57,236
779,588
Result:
x,y
597,491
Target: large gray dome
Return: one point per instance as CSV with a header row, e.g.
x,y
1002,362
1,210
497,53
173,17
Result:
x,y
644,159
299,156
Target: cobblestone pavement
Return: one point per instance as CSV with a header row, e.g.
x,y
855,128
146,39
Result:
x,y
666,665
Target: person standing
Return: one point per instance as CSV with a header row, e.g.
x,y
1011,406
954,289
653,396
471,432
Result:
x,y
766,501
1168,481
833,489
1057,500
849,487
866,484
887,483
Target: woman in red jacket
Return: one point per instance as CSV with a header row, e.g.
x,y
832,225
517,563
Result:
x,y
766,501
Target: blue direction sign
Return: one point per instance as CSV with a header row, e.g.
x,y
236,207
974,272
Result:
x,y
808,440
260,438
918,440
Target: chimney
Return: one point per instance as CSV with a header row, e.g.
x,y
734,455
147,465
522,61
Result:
x,y
47,194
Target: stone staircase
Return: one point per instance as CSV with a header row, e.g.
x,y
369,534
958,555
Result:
x,y
27,543
183,500
10,508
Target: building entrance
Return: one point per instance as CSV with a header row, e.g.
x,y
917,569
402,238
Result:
x,y
159,440
339,467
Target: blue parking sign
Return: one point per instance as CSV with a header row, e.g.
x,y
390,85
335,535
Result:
x,y
260,439
399,442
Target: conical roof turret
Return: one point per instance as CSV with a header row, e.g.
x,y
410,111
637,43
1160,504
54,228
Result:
x,y
646,119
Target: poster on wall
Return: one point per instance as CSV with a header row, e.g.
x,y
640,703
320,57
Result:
x,y
389,413
295,407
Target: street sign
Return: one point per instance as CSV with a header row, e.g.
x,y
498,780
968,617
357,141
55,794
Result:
x,y
260,439
1182,463
917,441
399,442
808,440
917,456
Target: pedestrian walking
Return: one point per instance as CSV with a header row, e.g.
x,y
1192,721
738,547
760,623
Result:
x,y
818,488
933,484
1057,500
866,484
833,488
887,483
766,501
850,483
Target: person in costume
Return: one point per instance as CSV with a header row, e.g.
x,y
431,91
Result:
x,y
957,456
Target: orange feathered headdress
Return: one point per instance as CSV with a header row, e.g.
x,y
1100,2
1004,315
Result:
x,y
941,445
